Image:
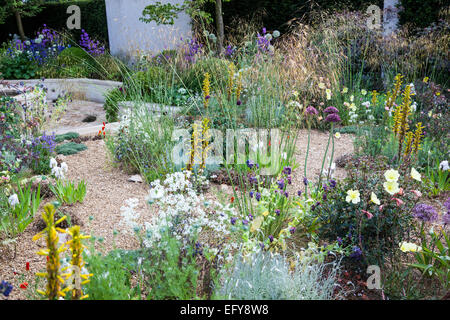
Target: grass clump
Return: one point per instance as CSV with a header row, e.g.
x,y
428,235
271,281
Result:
x,y
70,148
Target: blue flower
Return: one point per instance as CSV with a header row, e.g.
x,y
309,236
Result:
x,y
271,238
5,288
281,184
258,196
233,220
277,211
287,170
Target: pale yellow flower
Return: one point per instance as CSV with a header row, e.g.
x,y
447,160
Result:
x,y
391,175
374,199
415,175
353,196
363,92
352,98
409,247
328,92
391,187
345,90
337,135
426,79
322,85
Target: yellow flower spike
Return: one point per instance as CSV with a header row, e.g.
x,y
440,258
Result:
x,y
84,297
41,292
41,274
52,252
230,84
417,138
206,90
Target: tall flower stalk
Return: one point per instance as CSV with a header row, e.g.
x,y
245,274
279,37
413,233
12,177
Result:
x,y
53,276
310,112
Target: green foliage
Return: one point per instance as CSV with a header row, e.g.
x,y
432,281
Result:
x,y
193,77
172,272
161,13
434,259
70,148
67,192
421,14
14,220
25,8
66,136
110,280
18,67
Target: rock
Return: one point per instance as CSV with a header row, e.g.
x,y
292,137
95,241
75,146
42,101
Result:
x,y
135,178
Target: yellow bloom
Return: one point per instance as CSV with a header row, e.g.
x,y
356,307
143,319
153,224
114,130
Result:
x,y
426,79
391,175
295,93
374,199
353,196
415,175
265,213
352,98
391,187
322,85
337,135
409,247
345,90
328,92
438,93
353,106
363,92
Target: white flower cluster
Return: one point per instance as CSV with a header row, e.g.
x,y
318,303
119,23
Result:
x,y
58,171
182,213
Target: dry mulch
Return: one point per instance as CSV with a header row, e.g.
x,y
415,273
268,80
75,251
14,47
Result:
x,y
108,188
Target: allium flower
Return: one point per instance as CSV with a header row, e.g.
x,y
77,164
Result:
x,y
409,247
276,34
425,212
415,175
391,175
13,200
333,117
311,111
391,187
353,196
331,110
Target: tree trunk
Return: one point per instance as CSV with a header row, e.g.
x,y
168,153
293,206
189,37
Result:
x,y
19,25
219,27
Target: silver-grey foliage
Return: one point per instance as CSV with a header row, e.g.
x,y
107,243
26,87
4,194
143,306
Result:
x,y
266,276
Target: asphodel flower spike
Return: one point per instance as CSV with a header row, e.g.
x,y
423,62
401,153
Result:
x,y
54,279
76,247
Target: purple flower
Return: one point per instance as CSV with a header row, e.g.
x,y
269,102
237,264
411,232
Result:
x,y
356,253
339,241
286,194
332,183
333,117
446,218
250,163
271,238
250,216
292,230
287,170
425,212
239,102
299,192
258,196
233,220
289,179
277,211
252,179
251,194
331,110
305,181
245,222
311,111
5,288
229,51
281,184
447,205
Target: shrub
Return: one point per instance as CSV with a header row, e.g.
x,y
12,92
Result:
x,y
193,77
66,136
267,276
70,148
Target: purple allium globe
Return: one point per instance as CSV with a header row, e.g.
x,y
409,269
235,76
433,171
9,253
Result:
x,y
331,110
425,212
311,111
333,117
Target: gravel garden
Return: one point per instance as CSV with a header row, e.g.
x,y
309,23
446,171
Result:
x,y
308,164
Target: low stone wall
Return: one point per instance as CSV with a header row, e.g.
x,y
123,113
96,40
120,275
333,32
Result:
x,y
80,88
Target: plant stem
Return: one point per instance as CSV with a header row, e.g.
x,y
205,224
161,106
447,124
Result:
x,y
306,158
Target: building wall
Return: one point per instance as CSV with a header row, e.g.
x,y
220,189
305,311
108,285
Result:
x,y
128,36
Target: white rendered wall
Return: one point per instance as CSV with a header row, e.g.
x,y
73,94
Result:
x,y
129,36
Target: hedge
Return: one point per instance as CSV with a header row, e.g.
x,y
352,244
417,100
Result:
x,y
54,15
